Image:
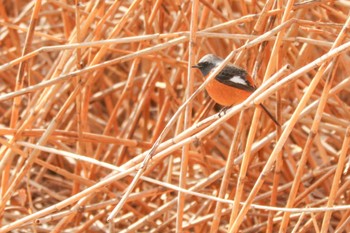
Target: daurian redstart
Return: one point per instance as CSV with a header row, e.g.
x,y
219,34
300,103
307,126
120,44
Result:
x,y
231,86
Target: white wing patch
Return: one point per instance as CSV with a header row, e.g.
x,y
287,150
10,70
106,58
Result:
x,y
238,80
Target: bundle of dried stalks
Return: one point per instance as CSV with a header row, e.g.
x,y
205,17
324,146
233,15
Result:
x,y
105,127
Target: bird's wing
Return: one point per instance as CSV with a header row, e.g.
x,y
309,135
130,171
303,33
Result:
x,y
235,77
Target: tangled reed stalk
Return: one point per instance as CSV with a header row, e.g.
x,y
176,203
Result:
x,y
106,128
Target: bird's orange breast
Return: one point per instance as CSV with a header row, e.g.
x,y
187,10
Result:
x,y
226,95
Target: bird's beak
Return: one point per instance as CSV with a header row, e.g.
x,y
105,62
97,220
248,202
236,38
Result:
x,y
195,66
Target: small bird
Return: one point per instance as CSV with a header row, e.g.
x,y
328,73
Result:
x,y
231,86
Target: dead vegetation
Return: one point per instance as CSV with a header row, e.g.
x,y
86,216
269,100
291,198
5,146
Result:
x,y
90,91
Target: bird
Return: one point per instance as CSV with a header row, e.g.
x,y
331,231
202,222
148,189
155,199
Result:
x,y
231,86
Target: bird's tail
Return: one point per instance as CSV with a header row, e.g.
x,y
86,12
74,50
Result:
x,y
269,114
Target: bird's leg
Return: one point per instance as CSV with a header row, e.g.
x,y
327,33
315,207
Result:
x,y
223,110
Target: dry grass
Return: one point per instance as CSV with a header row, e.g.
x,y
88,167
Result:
x,y
105,127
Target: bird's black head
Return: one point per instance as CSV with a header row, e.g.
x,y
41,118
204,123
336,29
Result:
x,y
207,63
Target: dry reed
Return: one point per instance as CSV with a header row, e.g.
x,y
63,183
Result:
x,y
106,128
